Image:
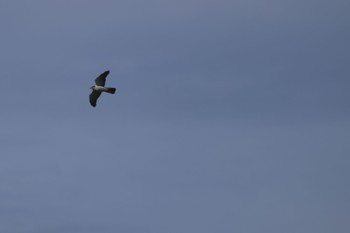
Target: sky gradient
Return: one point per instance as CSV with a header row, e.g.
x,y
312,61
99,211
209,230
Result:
x,y
231,116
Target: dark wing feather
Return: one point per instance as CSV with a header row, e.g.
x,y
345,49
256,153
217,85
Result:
x,y
101,80
93,97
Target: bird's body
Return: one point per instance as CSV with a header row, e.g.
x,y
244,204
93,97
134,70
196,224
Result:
x,y
110,90
99,87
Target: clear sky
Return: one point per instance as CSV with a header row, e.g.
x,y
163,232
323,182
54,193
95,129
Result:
x,y
231,116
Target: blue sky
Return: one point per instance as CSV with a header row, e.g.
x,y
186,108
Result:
x,y
231,116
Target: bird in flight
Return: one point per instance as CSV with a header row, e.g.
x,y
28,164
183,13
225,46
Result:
x,y
99,87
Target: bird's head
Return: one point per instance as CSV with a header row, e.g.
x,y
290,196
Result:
x,y
92,87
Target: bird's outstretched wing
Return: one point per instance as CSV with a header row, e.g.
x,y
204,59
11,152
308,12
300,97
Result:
x,y
93,97
101,80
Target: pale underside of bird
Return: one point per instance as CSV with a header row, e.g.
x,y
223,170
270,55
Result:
x,y
99,87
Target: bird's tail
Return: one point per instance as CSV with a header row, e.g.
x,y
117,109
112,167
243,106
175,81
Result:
x,y
110,90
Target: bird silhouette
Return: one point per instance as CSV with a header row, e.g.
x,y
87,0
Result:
x,y
99,87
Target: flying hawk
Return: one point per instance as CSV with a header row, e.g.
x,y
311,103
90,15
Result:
x,y
99,87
